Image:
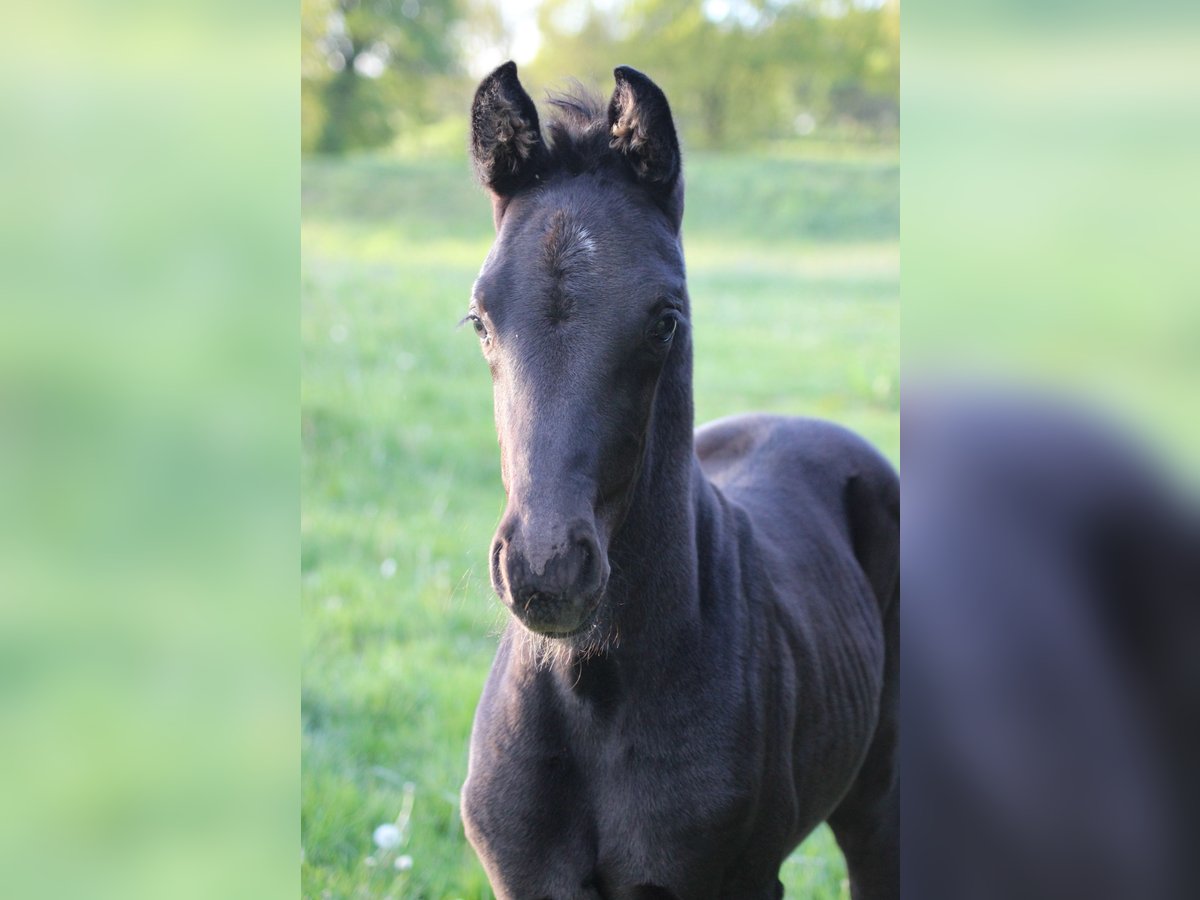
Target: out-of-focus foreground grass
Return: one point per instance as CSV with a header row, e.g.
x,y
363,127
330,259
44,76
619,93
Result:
x,y
794,276
148,471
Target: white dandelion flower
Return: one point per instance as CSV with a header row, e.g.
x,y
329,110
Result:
x,y
388,836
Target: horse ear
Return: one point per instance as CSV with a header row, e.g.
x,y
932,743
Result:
x,y
643,132
506,141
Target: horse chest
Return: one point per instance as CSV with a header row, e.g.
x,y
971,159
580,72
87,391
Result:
x,y
658,776
656,807
660,781
634,774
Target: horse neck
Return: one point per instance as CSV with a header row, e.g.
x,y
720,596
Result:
x,y
653,587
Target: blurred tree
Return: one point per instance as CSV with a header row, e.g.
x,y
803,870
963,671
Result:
x,y
863,56
740,71
737,71
368,68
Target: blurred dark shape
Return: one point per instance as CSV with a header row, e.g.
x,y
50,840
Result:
x,y
1051,673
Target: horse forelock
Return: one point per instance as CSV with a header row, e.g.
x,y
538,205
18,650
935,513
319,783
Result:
x,y
578,130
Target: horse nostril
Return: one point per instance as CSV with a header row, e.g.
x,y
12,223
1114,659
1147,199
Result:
x,y
591,564
497,571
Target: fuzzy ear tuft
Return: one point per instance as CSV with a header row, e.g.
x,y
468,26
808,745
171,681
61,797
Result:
x,y
643,132
642,128
507,149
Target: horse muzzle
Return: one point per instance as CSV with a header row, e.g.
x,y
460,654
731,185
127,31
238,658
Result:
x,y
551,578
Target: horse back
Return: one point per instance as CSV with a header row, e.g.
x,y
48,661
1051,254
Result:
x,y
810,487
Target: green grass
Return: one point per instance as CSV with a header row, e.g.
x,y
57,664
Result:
x,y
794,277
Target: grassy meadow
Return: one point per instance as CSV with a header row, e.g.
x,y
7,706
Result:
x,y
794,278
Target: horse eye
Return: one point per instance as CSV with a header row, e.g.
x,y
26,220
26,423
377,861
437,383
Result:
x,y
664,329
480,328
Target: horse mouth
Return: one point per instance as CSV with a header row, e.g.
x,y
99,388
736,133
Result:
x,y
551,628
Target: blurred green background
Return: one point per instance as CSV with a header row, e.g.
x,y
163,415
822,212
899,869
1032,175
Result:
x,y
392,74
788,115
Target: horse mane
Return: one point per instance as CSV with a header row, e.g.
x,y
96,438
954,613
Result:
x,y
578,130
